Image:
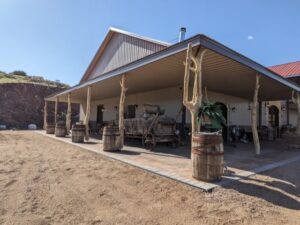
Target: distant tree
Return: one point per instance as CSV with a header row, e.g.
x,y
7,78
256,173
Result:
x,y
2,72
19,72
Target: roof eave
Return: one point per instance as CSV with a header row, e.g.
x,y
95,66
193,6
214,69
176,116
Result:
x,y
173,49
223,50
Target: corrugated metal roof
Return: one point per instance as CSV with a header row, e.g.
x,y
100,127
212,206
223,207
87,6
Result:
x,y
291,69
105,42
162,65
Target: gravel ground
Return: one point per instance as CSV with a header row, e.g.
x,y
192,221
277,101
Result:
x,y
43,181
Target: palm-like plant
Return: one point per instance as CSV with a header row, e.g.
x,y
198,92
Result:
x,y
214,112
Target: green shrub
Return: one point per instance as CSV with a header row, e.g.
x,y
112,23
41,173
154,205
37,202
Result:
x,y
19,73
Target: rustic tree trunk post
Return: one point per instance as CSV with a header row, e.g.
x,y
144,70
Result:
x,y
121,109
196,100
205,166
296,101
254,116
56,109
87,113
68,117
45,114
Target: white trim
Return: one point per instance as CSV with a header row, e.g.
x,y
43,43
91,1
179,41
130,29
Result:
x,y
117,30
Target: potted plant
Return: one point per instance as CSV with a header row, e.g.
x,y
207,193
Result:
x,y
207,150
210,116
207,144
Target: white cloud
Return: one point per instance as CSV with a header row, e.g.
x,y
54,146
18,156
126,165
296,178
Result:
x,y
250,37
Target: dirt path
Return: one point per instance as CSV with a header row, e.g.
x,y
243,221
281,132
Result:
x,y
43,181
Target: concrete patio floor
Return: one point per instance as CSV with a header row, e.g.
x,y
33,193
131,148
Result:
x,y
173,163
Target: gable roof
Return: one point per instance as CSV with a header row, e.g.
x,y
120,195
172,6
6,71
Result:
x,y
287,70
282,86
105,42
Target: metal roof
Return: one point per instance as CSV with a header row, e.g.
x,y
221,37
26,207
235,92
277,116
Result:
x,y
287,70
198,41
107,38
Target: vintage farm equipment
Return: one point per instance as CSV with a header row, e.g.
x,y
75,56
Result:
x,y
152,128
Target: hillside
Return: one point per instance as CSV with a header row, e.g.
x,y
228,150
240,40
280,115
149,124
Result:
x,y
22,100
22,77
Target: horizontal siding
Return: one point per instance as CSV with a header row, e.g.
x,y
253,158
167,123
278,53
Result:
x,y
122,50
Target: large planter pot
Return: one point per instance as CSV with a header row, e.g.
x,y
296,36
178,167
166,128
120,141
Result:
x,y
292,139
207,156
111,138
50,129
78,132
60,129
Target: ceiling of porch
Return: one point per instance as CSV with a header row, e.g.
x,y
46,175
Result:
x,y
220,74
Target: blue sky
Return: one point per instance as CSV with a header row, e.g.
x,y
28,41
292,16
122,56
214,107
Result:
x,y
58,38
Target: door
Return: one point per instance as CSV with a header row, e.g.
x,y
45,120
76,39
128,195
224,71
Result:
x,y
274,118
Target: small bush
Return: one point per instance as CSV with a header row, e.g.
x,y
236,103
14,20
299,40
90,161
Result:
x,y
19,73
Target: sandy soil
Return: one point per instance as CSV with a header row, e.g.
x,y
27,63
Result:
x,y
44,181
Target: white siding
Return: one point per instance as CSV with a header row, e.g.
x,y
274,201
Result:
x,y
123,49
170,99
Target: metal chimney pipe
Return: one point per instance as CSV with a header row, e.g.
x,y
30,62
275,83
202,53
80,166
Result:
x,y
181,34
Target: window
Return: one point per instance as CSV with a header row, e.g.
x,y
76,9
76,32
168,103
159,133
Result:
x,y
129,111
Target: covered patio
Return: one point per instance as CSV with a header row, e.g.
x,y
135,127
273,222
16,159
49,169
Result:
x,y
224,72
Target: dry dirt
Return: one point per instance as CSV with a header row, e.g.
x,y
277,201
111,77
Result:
x,y
44,181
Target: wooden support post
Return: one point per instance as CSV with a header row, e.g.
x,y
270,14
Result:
x,y
121,109
254,117
45,114
196,101
87,113
56,110
259,114
287,112
69,112
296,101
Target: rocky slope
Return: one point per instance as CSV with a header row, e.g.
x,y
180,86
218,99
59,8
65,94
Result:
x,y
23,103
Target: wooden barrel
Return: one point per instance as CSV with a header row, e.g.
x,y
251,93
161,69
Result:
x,y
207,156
50,129
60,130
78,133
111,138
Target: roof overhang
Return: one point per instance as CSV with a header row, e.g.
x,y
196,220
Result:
x,y
224,71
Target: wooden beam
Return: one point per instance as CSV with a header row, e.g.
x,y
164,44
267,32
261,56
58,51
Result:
x,y
69,113
254,116
56,109
87,113
45,115
121,109
296,101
